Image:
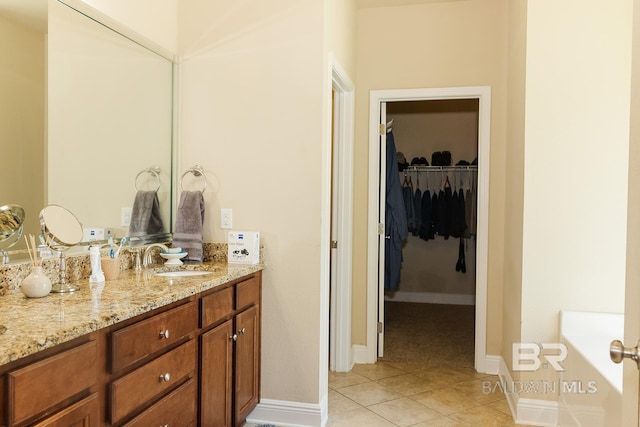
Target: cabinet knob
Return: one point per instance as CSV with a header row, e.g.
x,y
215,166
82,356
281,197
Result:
x,y
242,331
164,334
234,337
165,377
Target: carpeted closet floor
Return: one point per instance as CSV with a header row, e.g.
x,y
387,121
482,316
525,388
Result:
x,y
429,333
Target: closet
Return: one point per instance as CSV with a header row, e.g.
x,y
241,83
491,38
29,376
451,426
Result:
x,y
431,271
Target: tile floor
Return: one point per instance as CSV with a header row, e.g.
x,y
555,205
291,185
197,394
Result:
x,y
390,394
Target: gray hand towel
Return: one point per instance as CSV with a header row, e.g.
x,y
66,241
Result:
x,y
189,220
145,215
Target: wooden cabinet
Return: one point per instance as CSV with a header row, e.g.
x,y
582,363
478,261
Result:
x,y
47,385
85,413
195,362
230,354
216,376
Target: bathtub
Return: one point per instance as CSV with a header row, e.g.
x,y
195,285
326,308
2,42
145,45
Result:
x,y
590,388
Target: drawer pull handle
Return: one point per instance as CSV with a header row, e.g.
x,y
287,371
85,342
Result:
x,y
164,334
234,337
165,377
242,331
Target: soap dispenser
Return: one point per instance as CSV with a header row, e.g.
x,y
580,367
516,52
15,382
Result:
x,y
97,276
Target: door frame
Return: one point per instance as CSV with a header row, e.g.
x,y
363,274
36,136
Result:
x,y
375,249
341,358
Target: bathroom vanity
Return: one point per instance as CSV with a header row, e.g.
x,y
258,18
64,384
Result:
x,y
141,350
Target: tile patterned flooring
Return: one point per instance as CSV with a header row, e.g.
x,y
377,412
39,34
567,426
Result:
x,y
389,394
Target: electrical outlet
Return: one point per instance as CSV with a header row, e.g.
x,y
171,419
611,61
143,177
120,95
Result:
x,y
226,218
125,217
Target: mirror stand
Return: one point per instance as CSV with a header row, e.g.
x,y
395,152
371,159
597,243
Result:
x,y
63,286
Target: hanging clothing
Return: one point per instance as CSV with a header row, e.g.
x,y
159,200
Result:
x,y
426,230
445,200
396,229
435,213
407,197
458,213
417,208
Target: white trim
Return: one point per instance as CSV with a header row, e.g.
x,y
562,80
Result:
x,y
493,365
344,142
534,412
286,413
537,412
483,94
360,355
432,298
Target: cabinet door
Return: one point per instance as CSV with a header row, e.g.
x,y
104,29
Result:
x,y
216,376
85,413
247,357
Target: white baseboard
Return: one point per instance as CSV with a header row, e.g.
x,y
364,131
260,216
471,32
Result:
x,y
432,298
492,365
289,414
534,412
361,355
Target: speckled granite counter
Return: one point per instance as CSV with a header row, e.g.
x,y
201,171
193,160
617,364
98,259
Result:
x,y
31,325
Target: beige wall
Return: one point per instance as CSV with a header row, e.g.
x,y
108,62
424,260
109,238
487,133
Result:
x,y
577,107
251,112
340,33
514,194
22,114
433,45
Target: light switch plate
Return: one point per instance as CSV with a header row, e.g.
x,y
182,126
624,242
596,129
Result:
x,y
125,217
226,218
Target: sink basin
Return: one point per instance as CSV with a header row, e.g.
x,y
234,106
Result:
x,y
182,273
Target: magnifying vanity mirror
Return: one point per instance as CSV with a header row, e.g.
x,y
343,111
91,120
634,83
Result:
x,y
61,230
11,225
86,105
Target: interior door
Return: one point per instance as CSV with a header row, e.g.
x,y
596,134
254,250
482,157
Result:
x,y
630,403
381,221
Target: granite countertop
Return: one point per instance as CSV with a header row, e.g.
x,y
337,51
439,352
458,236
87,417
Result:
x,y
29,325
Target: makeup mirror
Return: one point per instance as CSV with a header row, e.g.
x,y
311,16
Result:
x,y
11,224
61,230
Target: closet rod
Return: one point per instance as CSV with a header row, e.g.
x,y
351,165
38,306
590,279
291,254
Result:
x,y
441,168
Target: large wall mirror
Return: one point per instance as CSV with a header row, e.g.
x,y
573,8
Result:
x,y
87,108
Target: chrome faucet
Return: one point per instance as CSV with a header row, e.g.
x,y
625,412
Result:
x,y
5,256
146,258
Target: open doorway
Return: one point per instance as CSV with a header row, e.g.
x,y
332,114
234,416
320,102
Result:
x,y
378,115
430,314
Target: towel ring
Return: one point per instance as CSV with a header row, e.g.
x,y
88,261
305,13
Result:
x,y
155,171
197,171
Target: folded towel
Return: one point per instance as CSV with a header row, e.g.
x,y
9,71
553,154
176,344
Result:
x,y
189,220
145,215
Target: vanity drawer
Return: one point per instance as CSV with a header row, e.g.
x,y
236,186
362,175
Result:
x,y
247,293
217,306
136,389
43,384
176,409
135,342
